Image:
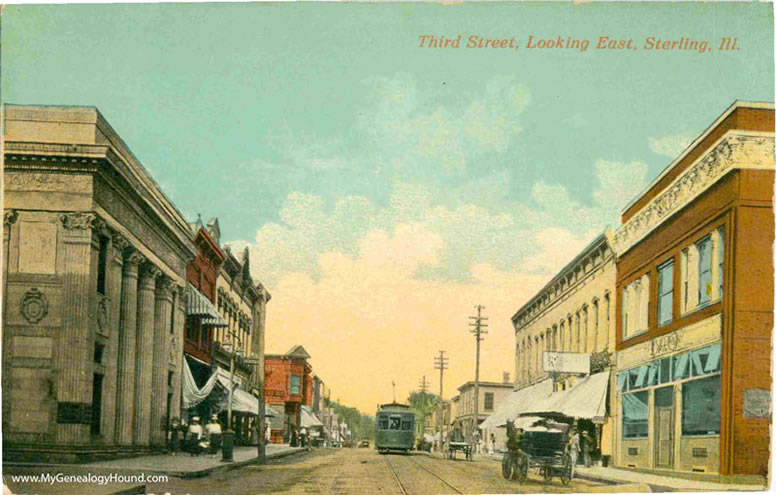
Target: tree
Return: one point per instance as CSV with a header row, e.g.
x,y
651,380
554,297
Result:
x,y
423,405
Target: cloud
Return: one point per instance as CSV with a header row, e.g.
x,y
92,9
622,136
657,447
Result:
x,y
619,183
671,145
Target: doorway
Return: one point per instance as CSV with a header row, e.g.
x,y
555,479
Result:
x,y
664,427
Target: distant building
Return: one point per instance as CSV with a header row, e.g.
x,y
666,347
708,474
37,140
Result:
x,y
289,384
93,284
695,305
490,396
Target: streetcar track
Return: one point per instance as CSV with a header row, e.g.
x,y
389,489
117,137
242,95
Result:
x,y
396,477
403,488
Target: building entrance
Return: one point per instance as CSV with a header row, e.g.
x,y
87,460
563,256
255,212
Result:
x,y
664,427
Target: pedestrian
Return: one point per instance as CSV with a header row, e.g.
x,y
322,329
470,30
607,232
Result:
x,y
476,440
267,432
574,449
492,444
586,447
213,430
194,436
303,437
175,436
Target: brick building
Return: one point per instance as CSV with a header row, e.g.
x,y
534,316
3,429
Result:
x,y
288,382
695,305
93,283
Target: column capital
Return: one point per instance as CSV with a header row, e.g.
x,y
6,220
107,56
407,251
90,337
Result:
x,y
165,287
10,217
150,272
78,221
120,242
133,261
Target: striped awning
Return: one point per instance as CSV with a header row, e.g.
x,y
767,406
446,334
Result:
x,y
199,305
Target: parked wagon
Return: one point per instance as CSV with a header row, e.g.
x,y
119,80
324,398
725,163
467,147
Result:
x,y
463,447
544,449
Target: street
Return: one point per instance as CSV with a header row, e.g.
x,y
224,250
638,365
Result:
x,y
360,471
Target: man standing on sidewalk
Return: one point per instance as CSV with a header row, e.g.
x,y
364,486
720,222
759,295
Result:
x,y
574,449
587,444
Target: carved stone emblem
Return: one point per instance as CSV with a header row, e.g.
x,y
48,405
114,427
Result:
x,y
34,305
664,344
78,221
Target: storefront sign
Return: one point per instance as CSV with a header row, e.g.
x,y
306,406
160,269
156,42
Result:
x,y
566,362
757,403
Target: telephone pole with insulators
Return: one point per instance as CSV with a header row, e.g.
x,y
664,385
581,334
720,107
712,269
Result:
x,y
479,329
440,363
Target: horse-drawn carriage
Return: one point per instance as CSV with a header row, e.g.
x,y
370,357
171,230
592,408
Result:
x,y
542,446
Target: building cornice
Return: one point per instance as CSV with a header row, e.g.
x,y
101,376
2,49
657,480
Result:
x,y
734,150
565,282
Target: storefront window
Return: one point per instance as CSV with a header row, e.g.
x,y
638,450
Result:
x,y
701,406
635,414
721,256
665,370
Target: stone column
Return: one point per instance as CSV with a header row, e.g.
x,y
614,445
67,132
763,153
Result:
x,y
73,363
176,351
115,264
125,390
146,303
162,311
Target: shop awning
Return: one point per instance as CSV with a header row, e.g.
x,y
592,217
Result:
x,y
193,395
587,399
199,305
517,402
308,419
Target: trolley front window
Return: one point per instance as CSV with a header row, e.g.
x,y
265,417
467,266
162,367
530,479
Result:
x,y
406,425
395,423
383,423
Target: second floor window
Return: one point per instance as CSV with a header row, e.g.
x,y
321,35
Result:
x,y
635,307
665,296
488,401
295,385
704,271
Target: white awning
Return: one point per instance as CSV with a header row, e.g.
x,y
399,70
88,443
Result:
x,y
199,305
308,418
193,395
587,399
518,402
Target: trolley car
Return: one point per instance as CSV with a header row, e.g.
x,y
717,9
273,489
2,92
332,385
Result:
x,y
395,428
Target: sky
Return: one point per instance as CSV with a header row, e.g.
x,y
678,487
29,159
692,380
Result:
x,y
385,189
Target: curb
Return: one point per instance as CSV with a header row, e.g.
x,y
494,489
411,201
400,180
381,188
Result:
x,y
176,474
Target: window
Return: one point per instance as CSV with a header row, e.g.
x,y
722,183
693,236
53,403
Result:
x,y
685,279
172,313
665,370
488,401
395,423
96,418
383,423
665,293
406,425
635,307
98,352
635,414
701,406
102,265
295,385
704,271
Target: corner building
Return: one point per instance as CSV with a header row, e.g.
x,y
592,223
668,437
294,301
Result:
x,y
93,279
695,305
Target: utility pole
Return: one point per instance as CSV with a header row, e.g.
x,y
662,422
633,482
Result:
x,y
478,329
440,363
423,390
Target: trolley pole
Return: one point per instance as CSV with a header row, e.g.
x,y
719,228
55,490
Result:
x,y
440,363
479,329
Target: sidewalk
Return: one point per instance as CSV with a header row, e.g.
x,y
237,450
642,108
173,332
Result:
x,y
612,475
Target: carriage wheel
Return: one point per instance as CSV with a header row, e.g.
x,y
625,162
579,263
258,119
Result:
x,y
506,467
547,474
521,468
565,474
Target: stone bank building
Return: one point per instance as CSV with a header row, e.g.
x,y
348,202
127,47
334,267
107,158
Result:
x,y
695,305
93,281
